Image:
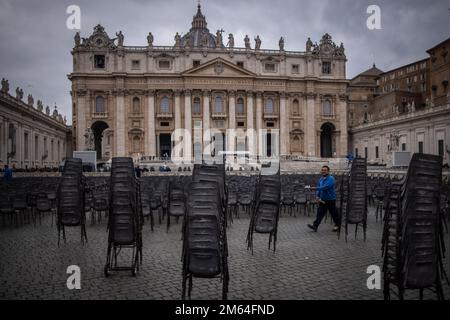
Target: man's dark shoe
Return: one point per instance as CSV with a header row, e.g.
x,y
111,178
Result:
x,y
312,227
336,229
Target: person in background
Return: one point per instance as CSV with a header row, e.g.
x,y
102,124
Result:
x,y
326,194
8,174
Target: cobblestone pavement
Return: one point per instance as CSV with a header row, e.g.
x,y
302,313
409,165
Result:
x,y
307,265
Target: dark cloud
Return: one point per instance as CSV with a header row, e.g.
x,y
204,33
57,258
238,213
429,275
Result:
x,y
35,44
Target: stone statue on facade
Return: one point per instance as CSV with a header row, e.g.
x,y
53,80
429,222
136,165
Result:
x,y
55,112
340,51
230,43
47,110
77,39
394,141
177,39
413,107
257,43
309,45
219,41
150,39
40,106
89,140
247,42
30,100
120,39
65,120
19,94
5,85
281,44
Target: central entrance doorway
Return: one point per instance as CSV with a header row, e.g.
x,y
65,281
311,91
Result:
x,y
165,145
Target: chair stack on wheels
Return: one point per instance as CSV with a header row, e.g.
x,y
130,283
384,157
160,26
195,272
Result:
x,y
413,245
125,217
205,249
266,210
70,199
353,207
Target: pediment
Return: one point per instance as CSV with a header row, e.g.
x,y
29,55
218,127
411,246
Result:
x,y
219,68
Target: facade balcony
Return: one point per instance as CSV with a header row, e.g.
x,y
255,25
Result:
x,y
329,116
270,116
165,115
100,115
219,115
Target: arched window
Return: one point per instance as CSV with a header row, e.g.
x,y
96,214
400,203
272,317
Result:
x,y
99,105
164,106
136,105
197,108
268,108
240,106
327,109
296,107
218,105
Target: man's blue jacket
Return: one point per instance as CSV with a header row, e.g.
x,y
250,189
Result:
x,y
325,188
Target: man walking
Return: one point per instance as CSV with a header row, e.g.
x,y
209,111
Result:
x,y
8,174
326,194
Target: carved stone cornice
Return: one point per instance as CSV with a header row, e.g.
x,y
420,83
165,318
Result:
x,y
150,93
82,92
311,95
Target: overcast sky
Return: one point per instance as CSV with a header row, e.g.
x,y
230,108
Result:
x,y
35,44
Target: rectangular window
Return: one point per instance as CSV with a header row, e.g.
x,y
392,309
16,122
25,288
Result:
x,y
99,61
420,146
366,152
36,147
270,124
377,152
326,67
240,64
356,152
198,124
164,64
135,64
441,147
295,68
269,67
241,124
403,146
195,63
25,145
165,124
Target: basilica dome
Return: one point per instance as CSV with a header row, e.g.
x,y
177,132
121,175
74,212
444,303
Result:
x,y
199,35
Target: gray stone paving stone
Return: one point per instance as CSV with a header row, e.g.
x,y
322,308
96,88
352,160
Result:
x,y
306,265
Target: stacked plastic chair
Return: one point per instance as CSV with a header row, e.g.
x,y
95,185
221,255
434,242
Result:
x,y
70,199
125,217
353,202
413,245
266,210
177,199
205,249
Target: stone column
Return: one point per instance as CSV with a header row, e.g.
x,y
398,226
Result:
x,y
231,119
259,123
251,137
343,126
150,146
284,126
82,108
188,125
120,133
177,110
206,114
310,125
